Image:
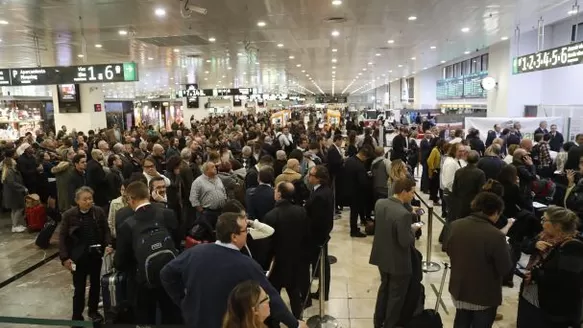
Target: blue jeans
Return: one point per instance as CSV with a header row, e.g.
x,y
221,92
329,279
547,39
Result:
x,y
475,319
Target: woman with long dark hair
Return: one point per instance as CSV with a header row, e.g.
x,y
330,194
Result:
x,y
351,149
247,307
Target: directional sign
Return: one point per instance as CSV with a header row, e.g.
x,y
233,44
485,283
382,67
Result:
x,y
99,73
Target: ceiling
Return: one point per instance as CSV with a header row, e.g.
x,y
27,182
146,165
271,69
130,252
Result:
x,y
295,45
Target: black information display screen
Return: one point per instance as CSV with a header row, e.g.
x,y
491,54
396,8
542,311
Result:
x,y
123,72
567,55
331,100
4,77
468,86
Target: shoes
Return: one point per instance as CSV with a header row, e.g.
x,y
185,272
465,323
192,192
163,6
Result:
x,y
499,317
338,212
357,234
96,317
509,284
19,229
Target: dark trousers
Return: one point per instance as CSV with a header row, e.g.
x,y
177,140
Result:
x,y
529,316
515,254
295,297
149,300
434,192
316,269
357,208
88,265
475,319
424,176
390,299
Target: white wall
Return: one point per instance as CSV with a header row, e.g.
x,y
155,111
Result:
x,y
395,95
88,119
425,88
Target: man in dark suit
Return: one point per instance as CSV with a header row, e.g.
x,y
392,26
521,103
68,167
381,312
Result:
x,y
252,173
575,154
467,183
400,145
542,128
320,209
493,134
425,148
557,140
267,148
393,243
259,201
147,296
491,164
356,181
336,166
290,246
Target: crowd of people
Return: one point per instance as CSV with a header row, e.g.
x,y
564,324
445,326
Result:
x,y
208,224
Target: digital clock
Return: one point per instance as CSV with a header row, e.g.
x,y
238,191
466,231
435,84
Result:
x,y
567,55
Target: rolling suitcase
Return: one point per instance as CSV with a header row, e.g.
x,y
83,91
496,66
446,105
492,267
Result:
x,y
114,293
43,240
430,318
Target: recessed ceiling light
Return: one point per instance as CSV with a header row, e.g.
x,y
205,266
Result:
x,y
244,73
391,41
208,60
433,47
303,71
390,71
333,72
399,65
333,67
572,12
292,57
206,72
413,58
337,2
3,22
467,53
176,50
229,68
425,67
261,23
364,69
378,55
412,18
239,54
122,32
334,50
299,65
370,63
150,58
359,74
280,45
98,45
335,33
80,55
256,63
160,12
212,39
224,76
206,79
504,38
465,29
443,61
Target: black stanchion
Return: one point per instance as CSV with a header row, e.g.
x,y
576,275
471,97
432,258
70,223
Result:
x,y
428,265
322,320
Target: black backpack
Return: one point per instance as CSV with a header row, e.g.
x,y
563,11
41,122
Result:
x,y
153,249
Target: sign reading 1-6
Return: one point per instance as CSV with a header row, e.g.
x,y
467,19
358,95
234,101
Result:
x,y
568,55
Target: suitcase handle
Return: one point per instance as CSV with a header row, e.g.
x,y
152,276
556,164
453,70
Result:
x,y
107,266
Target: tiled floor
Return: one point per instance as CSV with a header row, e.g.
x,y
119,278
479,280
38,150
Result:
x,y
47,291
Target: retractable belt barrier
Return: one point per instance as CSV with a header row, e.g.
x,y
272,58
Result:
x,y
428,265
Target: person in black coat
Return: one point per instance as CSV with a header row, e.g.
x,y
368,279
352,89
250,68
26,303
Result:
x,y
475,142
96,178
28,166
251,179
425,147
493,134
320,209
542,128
467,183
356,181
290,246
491,163
557,140
575,153
335,160
400,146
77,178
526,175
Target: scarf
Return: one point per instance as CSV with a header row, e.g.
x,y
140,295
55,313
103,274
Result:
x,y
556,242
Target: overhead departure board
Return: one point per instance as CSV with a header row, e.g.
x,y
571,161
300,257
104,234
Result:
x,y
100,73
468,86
571,54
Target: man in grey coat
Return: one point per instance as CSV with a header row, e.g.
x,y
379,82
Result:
x,y
391,252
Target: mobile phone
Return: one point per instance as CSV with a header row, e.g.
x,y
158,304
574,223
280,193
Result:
x,y
420,211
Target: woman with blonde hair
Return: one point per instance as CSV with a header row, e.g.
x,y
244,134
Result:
x,y
13,191
398,171
247,306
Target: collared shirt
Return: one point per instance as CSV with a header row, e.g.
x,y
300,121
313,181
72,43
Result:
x,y
208,193
450,166
316,187
141,205
227,245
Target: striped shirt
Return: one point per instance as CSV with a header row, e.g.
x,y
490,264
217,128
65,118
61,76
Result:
x,y
468,306
208,193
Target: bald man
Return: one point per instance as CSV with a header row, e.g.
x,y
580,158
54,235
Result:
x,y
158,155
291,172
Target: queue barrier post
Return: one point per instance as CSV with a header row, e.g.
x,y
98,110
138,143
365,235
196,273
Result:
x,y
428,265
322,320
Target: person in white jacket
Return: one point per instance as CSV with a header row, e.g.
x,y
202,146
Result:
x,y
150,171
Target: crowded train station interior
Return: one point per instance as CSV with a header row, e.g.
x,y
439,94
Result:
x,y
291,163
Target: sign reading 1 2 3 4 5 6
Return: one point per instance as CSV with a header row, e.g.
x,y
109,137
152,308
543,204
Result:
x,y
568,55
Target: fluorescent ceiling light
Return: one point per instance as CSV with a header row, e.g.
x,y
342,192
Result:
x,y
465,29
280,45
261,24
443,61
412,18
391,41
292,57
303,71
572,12
229,68
239,54
299,65
370,63
467,52
333,67
413,58
504,38
122,32
80,55
335,33
176,50
208,60
206,72
390,71
98,45
212,39
334,60
399,65
378,55
3,22
150,58
433,47
334,50
160,12
337,2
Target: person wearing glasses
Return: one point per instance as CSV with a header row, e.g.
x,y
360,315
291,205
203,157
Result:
x,y
200,279
248,306
552,290
150,171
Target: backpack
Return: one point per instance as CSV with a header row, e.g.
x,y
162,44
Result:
x,y
535,155
543,188
153,249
